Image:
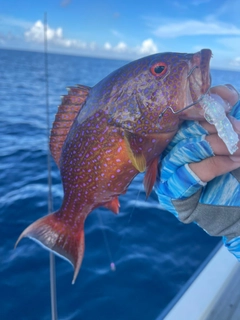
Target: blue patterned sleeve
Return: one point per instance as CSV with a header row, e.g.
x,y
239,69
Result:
x,y
214,206
176,180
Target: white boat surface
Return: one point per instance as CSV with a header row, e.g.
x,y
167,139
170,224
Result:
x,y
212,293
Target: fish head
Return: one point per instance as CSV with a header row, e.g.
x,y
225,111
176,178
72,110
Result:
x,y
170,84
155,90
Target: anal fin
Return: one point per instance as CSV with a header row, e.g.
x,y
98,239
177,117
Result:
x,y
113,205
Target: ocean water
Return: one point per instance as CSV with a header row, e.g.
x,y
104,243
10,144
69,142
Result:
x,y
154,254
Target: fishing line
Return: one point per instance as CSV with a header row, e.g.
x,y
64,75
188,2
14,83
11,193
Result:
x,y
129,219
112,264
134,206
50,202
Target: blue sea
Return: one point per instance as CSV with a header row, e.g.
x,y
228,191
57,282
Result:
x,y
154,254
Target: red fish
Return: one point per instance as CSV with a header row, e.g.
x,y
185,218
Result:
x,y
103,136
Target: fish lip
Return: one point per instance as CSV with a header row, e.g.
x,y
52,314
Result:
x,y
206,55
199,83
199,75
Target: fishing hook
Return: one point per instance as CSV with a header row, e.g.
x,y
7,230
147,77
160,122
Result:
x,y
191,71
190,105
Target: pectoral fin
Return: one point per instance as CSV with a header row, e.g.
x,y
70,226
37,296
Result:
x,y
136,156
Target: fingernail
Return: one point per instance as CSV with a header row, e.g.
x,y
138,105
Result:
x,y
230,87
235,123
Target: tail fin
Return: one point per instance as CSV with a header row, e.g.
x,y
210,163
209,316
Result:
x,y
54,235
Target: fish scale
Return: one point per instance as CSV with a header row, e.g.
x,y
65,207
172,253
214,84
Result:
x,y
103,136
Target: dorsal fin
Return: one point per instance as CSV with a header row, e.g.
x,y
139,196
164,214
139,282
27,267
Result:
x,y
67,112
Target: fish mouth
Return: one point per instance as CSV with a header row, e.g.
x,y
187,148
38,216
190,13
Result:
x,y
199,83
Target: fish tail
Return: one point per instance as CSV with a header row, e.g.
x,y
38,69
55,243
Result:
x,y
56,236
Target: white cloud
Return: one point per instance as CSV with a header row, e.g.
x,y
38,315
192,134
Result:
x,y
195,27
107,46
34,38
148,47
54,36
120,47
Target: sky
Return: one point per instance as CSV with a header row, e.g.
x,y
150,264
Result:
x,y
125,29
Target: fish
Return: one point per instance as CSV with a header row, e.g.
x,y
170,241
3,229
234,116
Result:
x,y
103,136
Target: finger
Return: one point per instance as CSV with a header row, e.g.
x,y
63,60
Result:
x,y
207,126
219,147
235,123
213,167
210,128
227,92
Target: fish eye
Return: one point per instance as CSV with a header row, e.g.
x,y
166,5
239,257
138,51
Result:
x,y
158,69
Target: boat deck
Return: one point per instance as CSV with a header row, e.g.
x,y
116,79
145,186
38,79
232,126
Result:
x,y
227,306
213,292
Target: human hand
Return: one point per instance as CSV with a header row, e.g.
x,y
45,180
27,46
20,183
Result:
x,y
197,182
222,162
